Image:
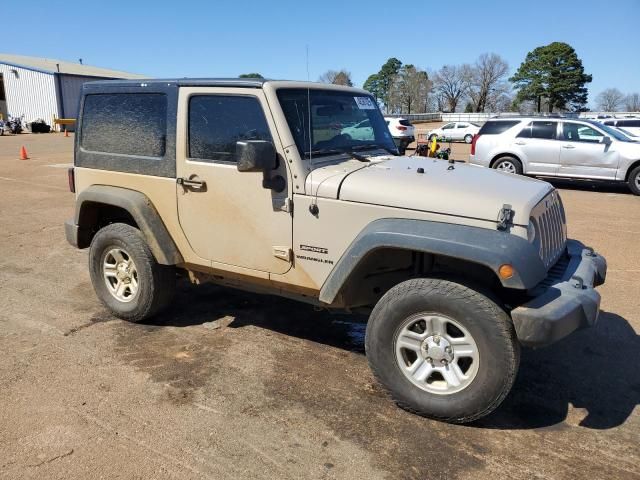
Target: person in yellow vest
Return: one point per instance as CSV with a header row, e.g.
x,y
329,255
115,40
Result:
x,y
433,147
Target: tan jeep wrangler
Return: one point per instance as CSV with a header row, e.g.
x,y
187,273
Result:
x,y
273,187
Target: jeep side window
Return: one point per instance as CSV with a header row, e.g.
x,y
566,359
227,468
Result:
x,y
217,122
125,123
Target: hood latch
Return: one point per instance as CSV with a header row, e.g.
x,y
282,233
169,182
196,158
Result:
x,y
505,217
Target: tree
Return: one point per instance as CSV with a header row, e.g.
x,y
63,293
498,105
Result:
x,y
379,84
632,102
337,77
610,100
409,90
449,82
485,80
250,75
373,86
553,72
500,103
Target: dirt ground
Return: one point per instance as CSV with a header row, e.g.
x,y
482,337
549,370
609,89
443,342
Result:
x,y
235,385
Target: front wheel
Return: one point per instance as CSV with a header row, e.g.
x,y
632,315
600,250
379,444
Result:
x,y
442,349
634,181
125,275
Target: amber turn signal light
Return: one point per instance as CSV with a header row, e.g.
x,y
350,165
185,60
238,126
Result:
x,y
506,271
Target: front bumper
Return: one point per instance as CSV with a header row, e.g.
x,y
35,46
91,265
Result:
x,y
405,140
564,301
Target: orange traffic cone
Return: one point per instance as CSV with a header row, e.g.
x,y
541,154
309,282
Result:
x,y
23,153
66,133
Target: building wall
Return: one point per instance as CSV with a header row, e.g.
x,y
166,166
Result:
x,y
70,87
30,93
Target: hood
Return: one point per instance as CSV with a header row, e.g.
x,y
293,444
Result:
x,y
465,191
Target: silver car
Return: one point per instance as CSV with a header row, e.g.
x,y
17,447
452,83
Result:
x,y
558,147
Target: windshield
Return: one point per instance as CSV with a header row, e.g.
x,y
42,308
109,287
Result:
x,y
340,121
618,135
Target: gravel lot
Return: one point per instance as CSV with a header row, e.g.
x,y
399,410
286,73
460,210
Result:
x,y
235,385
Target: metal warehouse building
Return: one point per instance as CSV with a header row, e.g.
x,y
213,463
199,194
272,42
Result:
x,y
45,88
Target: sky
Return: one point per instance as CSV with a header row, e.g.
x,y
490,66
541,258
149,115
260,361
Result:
x,y
224,39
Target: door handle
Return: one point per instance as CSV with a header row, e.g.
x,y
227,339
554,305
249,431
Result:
x,y
191,183
568,146
521,143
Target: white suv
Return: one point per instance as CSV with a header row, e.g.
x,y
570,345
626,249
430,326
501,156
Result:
x,y
558,147
628,125
402,131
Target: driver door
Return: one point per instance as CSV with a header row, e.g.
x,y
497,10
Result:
x,y
228,216
448,131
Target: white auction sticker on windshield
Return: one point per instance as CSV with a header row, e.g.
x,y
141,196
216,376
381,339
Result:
x,y
364,103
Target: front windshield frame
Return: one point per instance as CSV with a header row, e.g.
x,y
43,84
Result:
x,y
342,112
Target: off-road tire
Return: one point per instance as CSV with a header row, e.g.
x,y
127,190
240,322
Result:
x,y
517,164
468,138
488,324
634,180
156,283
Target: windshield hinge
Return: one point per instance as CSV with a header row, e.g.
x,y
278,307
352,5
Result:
x,y
283,253
283,204
505,217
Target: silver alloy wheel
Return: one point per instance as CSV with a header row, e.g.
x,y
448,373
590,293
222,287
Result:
x,y
120,274
506,166
637,179
469,137
436,353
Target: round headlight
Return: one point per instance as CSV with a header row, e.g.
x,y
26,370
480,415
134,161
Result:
x,y
531,231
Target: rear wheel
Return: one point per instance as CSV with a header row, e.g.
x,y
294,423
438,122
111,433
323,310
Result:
x,y
442,349
634,180
509,165
125,275
468,138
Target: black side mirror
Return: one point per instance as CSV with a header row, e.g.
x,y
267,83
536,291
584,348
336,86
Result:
x,y
256,156
606,140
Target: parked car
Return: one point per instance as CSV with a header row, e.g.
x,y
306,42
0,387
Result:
x,y
459,266
456,131
402,131
558,148
631,125
360,131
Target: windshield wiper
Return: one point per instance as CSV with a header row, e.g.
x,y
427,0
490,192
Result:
x,y
334,151
369,146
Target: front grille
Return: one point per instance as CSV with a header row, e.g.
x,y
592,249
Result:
x,y
551,228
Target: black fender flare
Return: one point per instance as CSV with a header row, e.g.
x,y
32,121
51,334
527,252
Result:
x,y
490,248
139,207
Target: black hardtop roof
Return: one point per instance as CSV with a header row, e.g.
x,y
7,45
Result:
x,y
182,82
